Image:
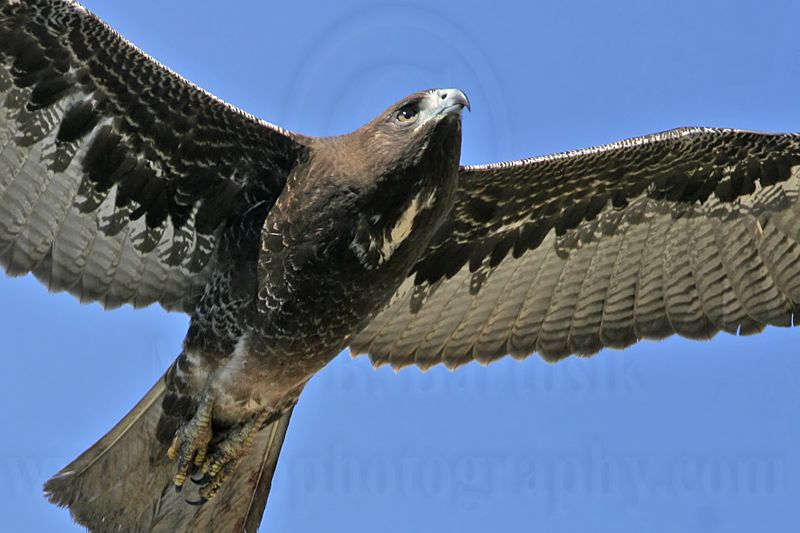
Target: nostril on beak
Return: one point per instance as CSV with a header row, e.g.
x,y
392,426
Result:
x,y
452,100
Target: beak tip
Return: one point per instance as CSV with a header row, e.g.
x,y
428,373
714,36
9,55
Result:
x,y
461,97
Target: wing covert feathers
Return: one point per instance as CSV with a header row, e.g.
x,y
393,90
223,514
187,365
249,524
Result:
x,y
692,232
116,174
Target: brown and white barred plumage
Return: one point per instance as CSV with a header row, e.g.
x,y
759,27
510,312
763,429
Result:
x,y
123,183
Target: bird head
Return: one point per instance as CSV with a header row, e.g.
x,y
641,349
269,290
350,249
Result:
x,y
406,129
424,109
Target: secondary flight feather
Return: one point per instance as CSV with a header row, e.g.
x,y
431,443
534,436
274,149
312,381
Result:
x,y
123,183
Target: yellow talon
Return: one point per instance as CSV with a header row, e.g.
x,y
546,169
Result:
x,y
200,457
172,452
190,444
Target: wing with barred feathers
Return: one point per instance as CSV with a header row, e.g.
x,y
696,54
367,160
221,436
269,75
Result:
x,y
690,231
116,174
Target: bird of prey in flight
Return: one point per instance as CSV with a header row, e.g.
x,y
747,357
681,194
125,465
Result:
x,y
123,183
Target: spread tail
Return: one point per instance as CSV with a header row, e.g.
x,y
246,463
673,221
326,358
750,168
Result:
x,y
124,484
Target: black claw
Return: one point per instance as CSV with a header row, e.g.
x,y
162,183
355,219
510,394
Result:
x,y
178,488
201,501
202,481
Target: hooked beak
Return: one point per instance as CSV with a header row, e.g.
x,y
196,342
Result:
x,y
447,101
451,101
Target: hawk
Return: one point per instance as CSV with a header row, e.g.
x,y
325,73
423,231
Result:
x,y
123,183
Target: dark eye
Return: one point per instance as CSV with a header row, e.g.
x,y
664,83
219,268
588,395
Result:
x,y
407,114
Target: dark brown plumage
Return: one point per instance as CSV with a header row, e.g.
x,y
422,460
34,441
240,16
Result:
x,y
123,183
690,231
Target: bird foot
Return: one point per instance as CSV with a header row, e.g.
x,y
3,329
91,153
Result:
x,y
214,464
190,444
217,468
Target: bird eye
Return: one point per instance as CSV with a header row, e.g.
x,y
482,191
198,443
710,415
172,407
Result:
x,y
406,115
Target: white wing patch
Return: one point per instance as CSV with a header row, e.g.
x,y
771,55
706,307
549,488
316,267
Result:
x,y
384,242
402,228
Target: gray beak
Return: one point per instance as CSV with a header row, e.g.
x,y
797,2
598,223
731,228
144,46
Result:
x,y
449,101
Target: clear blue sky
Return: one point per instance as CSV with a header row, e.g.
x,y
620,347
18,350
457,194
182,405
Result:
x,y
664,437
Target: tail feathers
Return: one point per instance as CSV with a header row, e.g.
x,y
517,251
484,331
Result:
x,y
111,484
123,484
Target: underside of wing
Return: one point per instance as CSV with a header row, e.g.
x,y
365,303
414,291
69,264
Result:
x,y
116,174
692,231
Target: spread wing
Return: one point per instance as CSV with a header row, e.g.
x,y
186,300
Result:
x,y
116,174
691,231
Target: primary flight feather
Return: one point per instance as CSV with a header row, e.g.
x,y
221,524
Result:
x,y
123,183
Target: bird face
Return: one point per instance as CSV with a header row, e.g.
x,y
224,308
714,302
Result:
x,y
403,133
419,109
